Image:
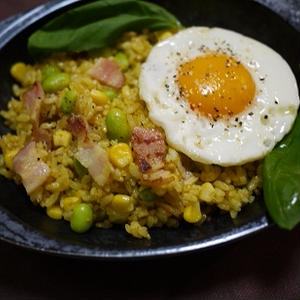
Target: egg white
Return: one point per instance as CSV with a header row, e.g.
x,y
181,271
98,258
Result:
x,y
227,141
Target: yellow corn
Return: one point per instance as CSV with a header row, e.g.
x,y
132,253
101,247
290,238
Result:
x,y
120,155
164,35
122,203
18,71
192,213
9,157
54,212
99,97
62,138
68,203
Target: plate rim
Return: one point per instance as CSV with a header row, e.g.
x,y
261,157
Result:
x,y
58,248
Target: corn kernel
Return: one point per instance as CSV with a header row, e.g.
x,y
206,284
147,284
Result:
x,y
9,157
54,212
164,35
68,203
122,203
207,192
99,97
192,213
18,70
120,155
62,138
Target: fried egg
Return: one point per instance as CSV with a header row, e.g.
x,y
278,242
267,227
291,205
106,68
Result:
x,y
221,97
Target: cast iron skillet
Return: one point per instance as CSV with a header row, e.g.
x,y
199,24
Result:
x,y
25,225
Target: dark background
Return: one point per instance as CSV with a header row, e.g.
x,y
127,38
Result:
x,y
263,266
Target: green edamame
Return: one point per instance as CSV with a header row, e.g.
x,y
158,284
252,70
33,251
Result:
x,y
111,94
68,101
49,70
117,125
122,60
56,82
81,218
147,195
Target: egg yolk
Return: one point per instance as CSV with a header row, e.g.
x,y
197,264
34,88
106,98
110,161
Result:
x,y
216,85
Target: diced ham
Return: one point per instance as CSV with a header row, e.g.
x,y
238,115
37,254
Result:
x,y
107,72
149,148
95,159
33,98
78,126
33,171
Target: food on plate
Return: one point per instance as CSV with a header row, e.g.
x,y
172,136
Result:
x,y
159,127
230,98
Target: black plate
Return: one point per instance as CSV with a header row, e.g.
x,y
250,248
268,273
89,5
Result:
x,y
25,225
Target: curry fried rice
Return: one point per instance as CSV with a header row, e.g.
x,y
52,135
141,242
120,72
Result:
x,y
178,189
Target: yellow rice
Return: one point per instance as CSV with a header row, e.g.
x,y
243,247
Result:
x,y
211,186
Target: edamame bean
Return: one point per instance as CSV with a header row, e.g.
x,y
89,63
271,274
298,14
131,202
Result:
x,y
117,125
49,70
111,94
56,82
79,168
147,195
122,60
81,218
68,101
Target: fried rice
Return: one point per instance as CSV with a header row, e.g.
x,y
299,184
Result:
x,y
190,194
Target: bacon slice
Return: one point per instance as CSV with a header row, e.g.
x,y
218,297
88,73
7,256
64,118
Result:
x,y
95,159
32,170
33,98
107,72
90,154
149,148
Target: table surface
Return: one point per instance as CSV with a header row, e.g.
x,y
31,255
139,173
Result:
x,y
263,266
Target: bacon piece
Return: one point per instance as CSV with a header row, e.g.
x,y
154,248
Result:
x,y
89,154
95,159
33,98
78,126
29,166
107,72
32,94
149,148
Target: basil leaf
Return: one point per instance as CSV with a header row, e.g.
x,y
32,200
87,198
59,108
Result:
x,y
281,180
98,24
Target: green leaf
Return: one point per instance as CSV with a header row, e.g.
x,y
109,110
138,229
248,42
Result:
x,y
98,24
281,180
